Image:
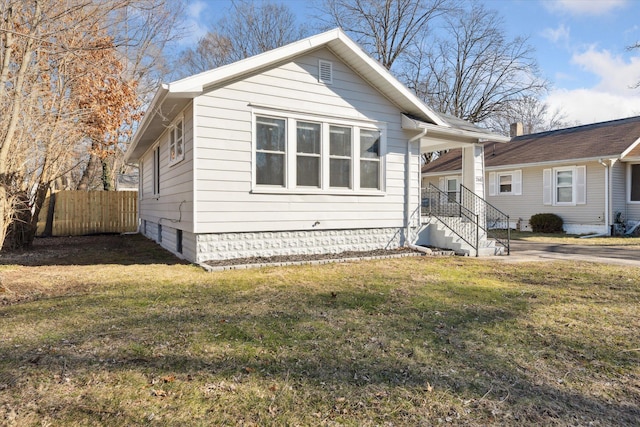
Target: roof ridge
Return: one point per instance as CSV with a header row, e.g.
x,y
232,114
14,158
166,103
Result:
x,y
578,128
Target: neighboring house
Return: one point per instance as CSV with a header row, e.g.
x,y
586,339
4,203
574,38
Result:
x,y
588,175
313,147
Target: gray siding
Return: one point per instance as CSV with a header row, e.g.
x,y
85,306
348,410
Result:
x,y
225,202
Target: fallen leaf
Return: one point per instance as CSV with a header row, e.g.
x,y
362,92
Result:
x,y
169,378
249,370
159,393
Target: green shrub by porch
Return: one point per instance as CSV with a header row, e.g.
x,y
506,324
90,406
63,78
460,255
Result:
x,y
546,223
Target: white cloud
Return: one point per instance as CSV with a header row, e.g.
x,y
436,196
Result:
x,y
582,7
197,30
591,105
616,74
556,35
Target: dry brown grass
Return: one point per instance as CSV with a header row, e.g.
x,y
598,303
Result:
x,y
128,336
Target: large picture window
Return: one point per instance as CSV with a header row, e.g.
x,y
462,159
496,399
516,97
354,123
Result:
x,y
270,151
301,153
369,159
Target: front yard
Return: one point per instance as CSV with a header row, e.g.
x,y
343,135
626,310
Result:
x,y
113,331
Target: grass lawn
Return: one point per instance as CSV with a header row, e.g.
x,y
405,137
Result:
x,y
118,333
573,239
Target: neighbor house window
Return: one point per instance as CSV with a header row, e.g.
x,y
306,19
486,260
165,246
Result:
x,y
369,159
634,177
340,156
452,190
176,142
308,140
270,151
505,183
565,186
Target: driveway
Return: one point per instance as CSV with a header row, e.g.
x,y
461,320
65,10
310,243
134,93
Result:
x,y
535,251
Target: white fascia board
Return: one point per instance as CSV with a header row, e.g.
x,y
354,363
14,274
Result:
x,y
549,163
430,174
197,83
158,98
411,124
630,148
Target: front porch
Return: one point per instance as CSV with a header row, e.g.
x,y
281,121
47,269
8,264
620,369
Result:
x,y
458,218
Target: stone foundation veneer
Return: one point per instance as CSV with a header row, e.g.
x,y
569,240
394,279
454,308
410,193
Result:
x,y
266,244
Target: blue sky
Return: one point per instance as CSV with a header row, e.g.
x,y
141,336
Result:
x,y
580,47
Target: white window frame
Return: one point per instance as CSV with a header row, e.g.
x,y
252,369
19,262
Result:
x,y
310,155
516,183
578,185
291,186
155,174
630,183
176,141
287,167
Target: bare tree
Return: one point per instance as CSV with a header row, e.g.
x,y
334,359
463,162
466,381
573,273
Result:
x,y
248,29
635,46
473,71
386,28
533,113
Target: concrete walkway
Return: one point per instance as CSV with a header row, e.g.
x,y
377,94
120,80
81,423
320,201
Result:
x,y
523,251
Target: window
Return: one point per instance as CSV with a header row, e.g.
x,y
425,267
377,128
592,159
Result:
x,y
505,183
634,187
176,142
308,154
565,186
452,189
270,151
369,159
297,152
156,170
340,156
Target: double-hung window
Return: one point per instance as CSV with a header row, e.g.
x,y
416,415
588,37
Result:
x,y
156,170
564,186
507,183
270,151
369,159
303,153
308,141
176,142
340,156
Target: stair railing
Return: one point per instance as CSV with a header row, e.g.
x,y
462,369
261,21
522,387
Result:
x,y
494,223
445,206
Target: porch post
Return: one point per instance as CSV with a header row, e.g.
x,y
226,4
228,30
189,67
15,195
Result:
x,y
473,179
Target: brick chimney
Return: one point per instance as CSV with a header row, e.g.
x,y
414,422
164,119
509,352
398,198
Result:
x,y
516,129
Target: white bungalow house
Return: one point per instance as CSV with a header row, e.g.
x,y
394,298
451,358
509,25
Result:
x,y
313,147
588,175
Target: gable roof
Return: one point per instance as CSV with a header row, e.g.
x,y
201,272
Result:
x,y
611,139
173,97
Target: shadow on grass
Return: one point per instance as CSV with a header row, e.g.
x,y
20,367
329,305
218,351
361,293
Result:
x,y
349,341
123,249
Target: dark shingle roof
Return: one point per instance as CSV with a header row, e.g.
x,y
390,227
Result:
x,y
605,139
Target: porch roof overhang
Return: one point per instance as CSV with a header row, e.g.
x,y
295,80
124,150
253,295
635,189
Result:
x,y
457,135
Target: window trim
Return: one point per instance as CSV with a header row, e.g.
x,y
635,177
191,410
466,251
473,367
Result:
x,y
255,151
155,153
516,183
291,119
578,185
174,142
554,176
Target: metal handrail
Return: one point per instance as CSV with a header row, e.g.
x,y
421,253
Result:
x,y
445,206
494,218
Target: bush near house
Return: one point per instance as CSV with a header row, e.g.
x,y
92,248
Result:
x,y
546,223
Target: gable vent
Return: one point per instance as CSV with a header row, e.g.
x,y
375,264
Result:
x,y
325,72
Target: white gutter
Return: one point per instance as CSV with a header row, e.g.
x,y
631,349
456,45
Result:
x,y
407,186
606,192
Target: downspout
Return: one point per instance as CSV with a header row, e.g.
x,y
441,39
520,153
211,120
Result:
x,y
606,194
407,207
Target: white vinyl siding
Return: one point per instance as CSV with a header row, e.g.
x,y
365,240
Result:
x,y
228,198
167,190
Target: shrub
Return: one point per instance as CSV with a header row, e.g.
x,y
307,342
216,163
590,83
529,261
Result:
x,y
546,223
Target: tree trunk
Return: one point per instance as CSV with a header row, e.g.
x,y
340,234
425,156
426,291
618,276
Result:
x,y
107,175
85,180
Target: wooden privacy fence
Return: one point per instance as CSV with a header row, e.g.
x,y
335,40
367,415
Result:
x,y
78,213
